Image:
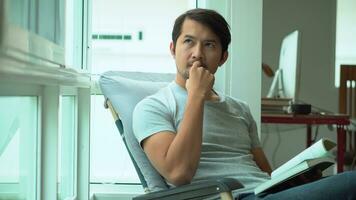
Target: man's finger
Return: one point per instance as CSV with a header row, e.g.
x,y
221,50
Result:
x,y
197,63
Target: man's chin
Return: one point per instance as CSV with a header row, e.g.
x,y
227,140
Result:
x,y
184,75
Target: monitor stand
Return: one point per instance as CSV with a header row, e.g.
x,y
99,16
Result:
x,y
277,90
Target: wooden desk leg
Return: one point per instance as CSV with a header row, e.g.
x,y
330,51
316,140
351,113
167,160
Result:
x,y
341,137
309,135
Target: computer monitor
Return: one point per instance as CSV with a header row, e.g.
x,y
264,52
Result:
x,y
286,79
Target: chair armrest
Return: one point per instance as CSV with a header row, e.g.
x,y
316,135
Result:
x,y
194,190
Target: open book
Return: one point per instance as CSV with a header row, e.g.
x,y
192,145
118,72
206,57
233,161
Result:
x,y
314,157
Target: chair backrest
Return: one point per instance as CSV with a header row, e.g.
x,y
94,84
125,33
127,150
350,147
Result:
x,y
347,90
125,90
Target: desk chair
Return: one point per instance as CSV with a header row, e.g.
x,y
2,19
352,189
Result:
x,y
347,105
122,91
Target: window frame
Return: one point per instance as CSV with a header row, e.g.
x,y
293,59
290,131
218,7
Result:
x,y
22,73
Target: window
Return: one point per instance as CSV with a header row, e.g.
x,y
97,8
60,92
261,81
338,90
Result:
x,y
44,106
67,148
33,30
18,147
345,35
76,34
126,37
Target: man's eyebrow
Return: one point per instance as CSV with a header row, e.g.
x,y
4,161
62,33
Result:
x,y
210,40
189,36
207,40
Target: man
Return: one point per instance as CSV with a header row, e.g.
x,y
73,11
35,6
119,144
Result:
x,y
189,131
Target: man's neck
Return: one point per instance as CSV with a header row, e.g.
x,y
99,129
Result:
x,y
180,81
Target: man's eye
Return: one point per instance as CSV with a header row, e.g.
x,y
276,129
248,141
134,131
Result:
x,y
188,41
210,45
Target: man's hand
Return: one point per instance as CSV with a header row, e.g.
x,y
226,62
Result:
x,y
200,82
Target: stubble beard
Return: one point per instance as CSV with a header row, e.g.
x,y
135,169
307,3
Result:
x,y
184,73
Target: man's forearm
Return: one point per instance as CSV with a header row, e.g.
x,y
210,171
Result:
x,y
183,155
261,160
176,156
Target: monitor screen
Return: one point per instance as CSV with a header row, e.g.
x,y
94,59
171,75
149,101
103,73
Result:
x,y
286,80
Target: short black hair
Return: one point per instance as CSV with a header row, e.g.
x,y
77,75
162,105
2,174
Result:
x,y
209,18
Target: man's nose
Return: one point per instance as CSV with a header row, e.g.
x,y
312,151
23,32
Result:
x,y
198,52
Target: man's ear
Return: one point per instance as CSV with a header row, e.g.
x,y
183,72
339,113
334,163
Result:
x,y
173,50
224,58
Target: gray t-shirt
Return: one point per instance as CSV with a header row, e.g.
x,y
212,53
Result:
x,y
229,133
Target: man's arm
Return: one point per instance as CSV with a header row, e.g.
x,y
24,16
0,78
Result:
x,y
176,156
261,160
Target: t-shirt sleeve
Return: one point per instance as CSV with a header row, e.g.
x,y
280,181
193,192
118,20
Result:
x,y
255,140
151,116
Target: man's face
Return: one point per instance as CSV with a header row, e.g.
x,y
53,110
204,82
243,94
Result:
x,y
197,43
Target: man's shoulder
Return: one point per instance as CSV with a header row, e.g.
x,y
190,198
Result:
x,y
235,102
161,97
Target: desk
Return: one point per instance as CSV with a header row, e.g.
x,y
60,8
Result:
x,y
339,120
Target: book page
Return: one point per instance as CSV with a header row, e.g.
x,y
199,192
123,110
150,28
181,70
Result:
x,y
318,149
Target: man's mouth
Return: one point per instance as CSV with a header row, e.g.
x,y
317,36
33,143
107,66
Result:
x,y
202,65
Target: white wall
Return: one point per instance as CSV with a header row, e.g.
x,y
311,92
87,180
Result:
x,y
246,54
316,22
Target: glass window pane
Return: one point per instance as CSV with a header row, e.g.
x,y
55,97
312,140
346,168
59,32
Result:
x,y
67,145
34,28
19,13
18,147
43,17
74,34
345,36
130,38
109,159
